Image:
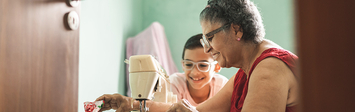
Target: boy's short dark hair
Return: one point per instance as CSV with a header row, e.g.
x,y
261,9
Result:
x,y
192,43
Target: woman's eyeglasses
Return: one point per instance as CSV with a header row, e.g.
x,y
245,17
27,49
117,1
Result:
x,y
201,66
205,43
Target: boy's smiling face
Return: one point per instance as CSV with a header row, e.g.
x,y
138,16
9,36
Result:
x,y
195,78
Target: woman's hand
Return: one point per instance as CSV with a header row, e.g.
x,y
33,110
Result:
x,y
182,106
117,102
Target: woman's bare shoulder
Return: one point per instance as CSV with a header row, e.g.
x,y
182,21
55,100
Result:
x,y
267,44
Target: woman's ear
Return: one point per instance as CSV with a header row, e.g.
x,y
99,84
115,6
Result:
x,y
217,68
238,32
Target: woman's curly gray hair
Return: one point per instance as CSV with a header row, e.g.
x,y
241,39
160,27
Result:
x,y
240,12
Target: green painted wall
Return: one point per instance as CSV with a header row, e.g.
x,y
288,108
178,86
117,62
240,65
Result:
x,y
181,20
278,20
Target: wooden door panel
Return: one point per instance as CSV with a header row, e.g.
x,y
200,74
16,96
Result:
x,y
38,57
326,50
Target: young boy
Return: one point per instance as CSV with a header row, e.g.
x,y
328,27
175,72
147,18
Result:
x,y
198,82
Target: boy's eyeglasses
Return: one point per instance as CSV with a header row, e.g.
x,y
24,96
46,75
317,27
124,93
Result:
x,y
205,43
201,66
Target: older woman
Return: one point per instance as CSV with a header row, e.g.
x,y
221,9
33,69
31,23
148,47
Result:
x,y
234,36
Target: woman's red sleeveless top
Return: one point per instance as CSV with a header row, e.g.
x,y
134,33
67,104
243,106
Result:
x,y
241,82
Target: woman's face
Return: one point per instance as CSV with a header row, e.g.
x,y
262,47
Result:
x,y
219,43
195,78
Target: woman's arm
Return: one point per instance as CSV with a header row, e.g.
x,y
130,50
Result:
x,y
123,104
154,106
268,87
221,102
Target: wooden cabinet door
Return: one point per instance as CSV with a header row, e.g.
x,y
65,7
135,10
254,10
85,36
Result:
x,y
38,57
326,48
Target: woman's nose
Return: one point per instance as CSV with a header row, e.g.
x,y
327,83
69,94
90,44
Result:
x,y
206,49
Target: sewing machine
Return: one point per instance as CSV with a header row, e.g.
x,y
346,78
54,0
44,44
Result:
x,y
148,81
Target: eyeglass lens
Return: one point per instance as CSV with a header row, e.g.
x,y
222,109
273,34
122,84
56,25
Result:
x,y
205,43
202,66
